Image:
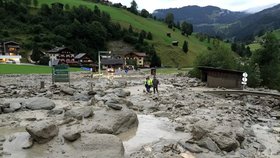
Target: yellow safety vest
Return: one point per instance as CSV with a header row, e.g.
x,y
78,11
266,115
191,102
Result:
x,y
150,82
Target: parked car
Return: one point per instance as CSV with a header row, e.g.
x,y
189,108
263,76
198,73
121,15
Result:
x,y
10,61
111,70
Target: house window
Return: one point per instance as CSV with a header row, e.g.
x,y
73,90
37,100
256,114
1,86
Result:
x,y
12,49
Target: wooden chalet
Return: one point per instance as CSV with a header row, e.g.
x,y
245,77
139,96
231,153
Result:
x,y
9,51
63,54
83,59
137,56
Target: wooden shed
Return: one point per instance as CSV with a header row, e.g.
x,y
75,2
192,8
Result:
x,y
216,77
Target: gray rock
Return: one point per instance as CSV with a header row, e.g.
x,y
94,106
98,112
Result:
x,y
14,106
92,92
100,146
114,121
80,113
240,135
114,106
24,140
122,93
81,97
209,144
275,114
162,114
71,135
39,103
224,142
55,112
191,147
180,128
2,139
67,90
198,132
42,131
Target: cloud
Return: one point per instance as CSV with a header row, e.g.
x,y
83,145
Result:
x,y
234,5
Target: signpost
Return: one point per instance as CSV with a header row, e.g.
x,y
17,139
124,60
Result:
x,y
60,73
244,79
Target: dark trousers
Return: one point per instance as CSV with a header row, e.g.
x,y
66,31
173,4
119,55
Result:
x,y
147,88
155,88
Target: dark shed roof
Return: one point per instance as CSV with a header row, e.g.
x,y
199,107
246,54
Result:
x,y
205,68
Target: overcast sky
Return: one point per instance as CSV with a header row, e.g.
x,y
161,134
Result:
x,y
233,5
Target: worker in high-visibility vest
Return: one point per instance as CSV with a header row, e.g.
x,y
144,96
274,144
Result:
x,y
148,84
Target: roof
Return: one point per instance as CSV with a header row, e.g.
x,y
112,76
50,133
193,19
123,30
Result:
x,y
205,68
112,61
80,55
139,54
11,42
58,49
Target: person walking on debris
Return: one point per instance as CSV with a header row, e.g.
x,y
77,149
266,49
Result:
x,y
155,85
148,84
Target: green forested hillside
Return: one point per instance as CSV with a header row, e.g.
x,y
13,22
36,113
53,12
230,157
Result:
x,y
257,43
170,55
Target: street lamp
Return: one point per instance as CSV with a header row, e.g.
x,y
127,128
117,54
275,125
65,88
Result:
x,y
99,59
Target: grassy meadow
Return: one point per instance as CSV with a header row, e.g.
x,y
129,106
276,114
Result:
x,y
28,69
256,46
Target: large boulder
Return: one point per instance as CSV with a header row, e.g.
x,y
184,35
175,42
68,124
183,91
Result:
x,y
209,144
71,135
67,90
224,142
20,140
39,103
79,113
12,107
100,146
81,97
114,121
42,131
122,93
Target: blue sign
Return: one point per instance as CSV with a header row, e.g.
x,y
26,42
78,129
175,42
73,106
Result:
x,y
86,68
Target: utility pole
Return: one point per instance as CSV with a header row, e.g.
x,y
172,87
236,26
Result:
x,y
99,59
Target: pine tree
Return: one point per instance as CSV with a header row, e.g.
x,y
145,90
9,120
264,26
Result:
x,y
130,29
150,36
67,7
133,7
36,55
185,47
155,60
35,3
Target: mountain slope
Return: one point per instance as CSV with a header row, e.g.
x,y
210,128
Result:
x,y
207,19
201,15
224,23
170,55
248,27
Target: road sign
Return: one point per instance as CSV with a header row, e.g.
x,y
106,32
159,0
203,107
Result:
x,y
245,74
86,68
60,73
244,79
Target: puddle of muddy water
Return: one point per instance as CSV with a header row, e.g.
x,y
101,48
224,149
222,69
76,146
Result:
x,y
150,129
